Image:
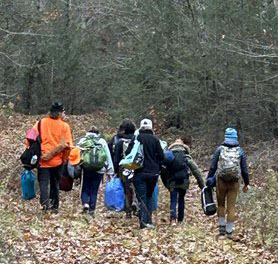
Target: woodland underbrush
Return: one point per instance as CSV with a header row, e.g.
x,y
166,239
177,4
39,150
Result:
x,y
7,234
258,211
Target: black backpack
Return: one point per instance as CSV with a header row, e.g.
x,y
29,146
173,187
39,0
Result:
x,y
178,168
31,156
115,141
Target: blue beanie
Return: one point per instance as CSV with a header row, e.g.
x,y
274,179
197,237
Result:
x,y
231,136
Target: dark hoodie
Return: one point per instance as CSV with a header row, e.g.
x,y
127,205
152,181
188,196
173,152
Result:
x,y
243,163
118,151
113,142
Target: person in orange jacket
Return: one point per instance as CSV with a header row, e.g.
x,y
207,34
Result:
x,y
56,140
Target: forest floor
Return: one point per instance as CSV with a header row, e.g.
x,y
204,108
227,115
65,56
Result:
x,y
28,235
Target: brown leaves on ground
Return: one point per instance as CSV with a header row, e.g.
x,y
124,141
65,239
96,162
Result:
x,y
27,235
71,237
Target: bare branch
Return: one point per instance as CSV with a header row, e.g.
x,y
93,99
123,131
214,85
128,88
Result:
x,y
8,95
13,61
236,49
26,33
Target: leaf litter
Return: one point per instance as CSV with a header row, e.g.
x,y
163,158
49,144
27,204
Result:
x,y
29,236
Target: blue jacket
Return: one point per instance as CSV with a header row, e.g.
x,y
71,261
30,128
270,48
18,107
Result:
x,y
243,163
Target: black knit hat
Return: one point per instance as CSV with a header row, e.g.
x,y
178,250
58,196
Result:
x,y
57,107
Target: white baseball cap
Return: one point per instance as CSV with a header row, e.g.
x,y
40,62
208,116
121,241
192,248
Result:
x,y
146,123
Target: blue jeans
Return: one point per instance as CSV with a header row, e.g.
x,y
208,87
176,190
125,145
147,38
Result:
x,y
90,185
49,177
177,194
144,184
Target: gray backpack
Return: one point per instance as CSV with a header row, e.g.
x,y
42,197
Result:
x,y
228,167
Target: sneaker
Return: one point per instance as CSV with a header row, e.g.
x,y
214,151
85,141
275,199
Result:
x,y
229,235
150,226
85,209
222,230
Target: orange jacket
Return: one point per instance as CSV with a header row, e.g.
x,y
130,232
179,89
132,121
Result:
x,y
56,138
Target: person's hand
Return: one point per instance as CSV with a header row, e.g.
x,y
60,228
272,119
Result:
x,y
109,176
245,189
211,182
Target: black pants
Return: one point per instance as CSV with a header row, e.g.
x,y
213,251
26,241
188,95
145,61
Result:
x,y
177,195
50,176
144,184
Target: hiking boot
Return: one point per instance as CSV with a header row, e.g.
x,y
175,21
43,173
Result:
x,y
142,226
229,235
54,210
91,212
222,230
180,219
54,207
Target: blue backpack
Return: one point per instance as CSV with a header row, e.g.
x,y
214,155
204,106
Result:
x,y
27,181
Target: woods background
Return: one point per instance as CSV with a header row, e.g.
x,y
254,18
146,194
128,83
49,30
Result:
x,y
192,66
198,65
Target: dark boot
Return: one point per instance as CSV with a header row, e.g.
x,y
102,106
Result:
x,y
222,230
91,213
229,235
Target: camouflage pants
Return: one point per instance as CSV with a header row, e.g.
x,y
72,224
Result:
x,y
127,184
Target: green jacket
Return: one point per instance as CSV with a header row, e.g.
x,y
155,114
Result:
x,y
193,167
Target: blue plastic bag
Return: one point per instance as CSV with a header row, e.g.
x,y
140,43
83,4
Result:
x,y
27,181
155,198
114,195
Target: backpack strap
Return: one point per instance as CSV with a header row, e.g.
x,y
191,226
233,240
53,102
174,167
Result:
x,y
39,130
